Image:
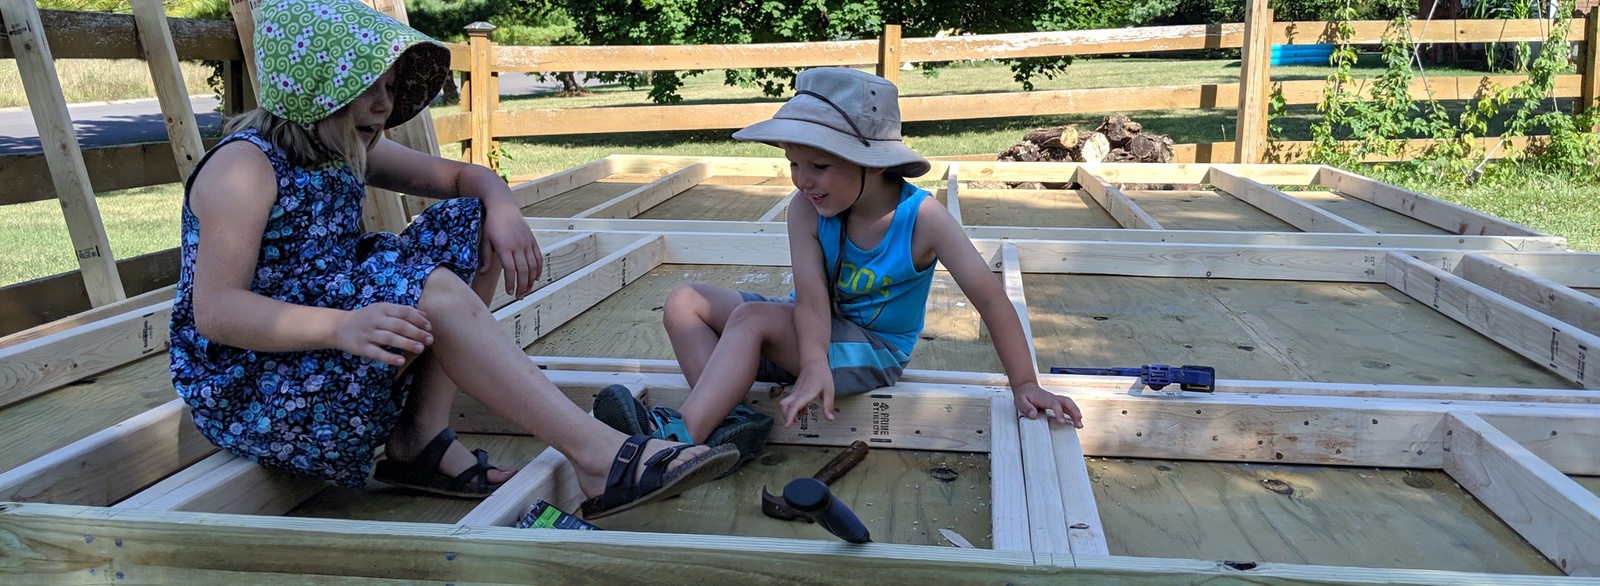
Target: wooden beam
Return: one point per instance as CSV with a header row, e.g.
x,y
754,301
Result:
x,y
1281,205
1125,384
40,301
135,303
242,487
195,472
649,195
55,543
1279,239
674,57
1541,294
155,42
889,54
39,365
546,310
1555,514
111,168
1442,214
952,193
1589,69
1008,503
1085,532
60,143
112,463
1123,210
549,186
244,21
1251,117
1266,428
100,35
1573,269
777,208
1558,346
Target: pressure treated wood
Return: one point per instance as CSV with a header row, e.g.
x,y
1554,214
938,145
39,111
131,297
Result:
x,y
155,42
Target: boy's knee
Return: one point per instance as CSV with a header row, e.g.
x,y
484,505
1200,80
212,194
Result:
x,y
761,317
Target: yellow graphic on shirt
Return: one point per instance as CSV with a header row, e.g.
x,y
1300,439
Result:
x,y
856,282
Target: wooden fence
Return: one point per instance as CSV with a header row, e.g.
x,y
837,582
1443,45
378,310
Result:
x,y
66,172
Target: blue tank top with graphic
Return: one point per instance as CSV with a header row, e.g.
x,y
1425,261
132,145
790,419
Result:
x,y
881,289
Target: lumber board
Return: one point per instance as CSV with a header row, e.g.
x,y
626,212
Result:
x,y
1061,202
549,476
533,316
639,200
136,302
715,201
778,209
1009,515
1072,214
1573,269
192,473
543,188
239,486
31,303
563,258
60,145
1248,387
1536,292
111,168
1206,210
112,463
1047,509
1556,345
1127,213
156,45
952,193
1281,205
1085,531
100,35
293,547
1272,429
1250,122
675,57
244,22
33,367
1551,511
1449,216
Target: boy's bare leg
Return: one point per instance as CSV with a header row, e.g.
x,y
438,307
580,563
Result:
x,y
427,410
694,316
476,354
752,330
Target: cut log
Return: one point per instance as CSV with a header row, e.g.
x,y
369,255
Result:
x,y
1150,148
1093,148
1118,129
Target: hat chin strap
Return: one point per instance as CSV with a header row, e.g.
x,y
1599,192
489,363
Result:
x,y
838,257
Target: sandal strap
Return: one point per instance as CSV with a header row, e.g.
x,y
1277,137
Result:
x,y
668,425
475,477
620,487
430,456
656,468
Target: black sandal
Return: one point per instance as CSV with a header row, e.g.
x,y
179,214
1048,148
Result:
x,y
623,492
422,473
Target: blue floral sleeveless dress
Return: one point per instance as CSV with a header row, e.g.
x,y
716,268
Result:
x,y
319,412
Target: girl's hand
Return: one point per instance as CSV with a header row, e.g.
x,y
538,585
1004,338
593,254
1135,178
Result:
x,y
1032,399
364,332
507,236
812,383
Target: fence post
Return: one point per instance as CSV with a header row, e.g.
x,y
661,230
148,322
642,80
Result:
x,y
1590,68
475,94
1250,139
889,54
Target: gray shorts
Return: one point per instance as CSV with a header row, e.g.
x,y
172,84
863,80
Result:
x,y
861,360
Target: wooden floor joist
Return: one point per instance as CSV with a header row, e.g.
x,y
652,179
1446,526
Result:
x,y
1047,500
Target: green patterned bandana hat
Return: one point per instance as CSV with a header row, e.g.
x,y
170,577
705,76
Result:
x,y
313,58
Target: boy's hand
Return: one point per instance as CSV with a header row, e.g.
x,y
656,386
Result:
x,y
1032,399
812,383
366,331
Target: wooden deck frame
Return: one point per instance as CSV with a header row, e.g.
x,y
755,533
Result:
x,y
1416,432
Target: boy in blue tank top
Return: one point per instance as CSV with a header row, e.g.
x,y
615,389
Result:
x,y
855,224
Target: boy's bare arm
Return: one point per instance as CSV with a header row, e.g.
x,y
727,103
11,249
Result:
x,y
813,326
977,281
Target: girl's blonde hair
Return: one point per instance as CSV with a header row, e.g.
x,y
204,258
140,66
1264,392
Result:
x,y
306,148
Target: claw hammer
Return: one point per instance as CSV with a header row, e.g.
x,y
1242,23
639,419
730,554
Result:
x,y
773,505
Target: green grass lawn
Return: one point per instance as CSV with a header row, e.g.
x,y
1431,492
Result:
x,y
34,242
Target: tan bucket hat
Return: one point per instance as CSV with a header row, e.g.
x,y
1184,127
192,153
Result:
x,y
851,114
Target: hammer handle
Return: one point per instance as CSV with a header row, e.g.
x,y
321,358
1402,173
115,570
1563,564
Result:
x,y
842,463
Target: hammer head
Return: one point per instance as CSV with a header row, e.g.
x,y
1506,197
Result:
x,y
773,506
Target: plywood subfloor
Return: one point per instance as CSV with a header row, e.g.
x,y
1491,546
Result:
x,y
628,324
1206,210
1047,208
1373,216
739,203
893,492
581,198
1336,516
1266,330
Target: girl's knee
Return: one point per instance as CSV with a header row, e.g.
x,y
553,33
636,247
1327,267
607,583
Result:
x,y
444,292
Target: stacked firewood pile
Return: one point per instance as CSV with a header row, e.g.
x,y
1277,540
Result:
x,y
1116,140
